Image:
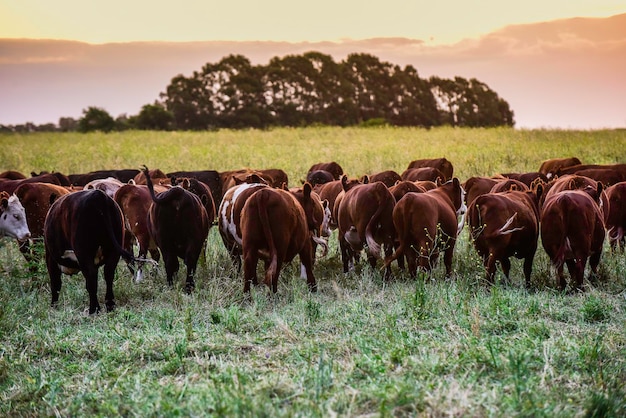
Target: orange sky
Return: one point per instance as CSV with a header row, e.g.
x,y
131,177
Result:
x,y
566,73
442,21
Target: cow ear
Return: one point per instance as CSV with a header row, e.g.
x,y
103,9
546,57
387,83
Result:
x,y
204,199
325,203
344,181
173,180
365,179
4,202
307,190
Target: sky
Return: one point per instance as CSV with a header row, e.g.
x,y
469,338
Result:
x,y
441,21
531,53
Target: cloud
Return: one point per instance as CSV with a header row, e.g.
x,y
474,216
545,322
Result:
x,y
565,73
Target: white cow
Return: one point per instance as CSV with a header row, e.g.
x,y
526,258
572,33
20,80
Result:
x,y
12,218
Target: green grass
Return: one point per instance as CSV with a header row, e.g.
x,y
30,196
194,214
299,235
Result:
x,y
425,347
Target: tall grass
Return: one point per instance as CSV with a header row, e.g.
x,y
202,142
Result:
x,y
361,346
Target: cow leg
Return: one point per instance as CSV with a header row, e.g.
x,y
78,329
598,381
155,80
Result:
x,y
447,257
388,248
594,261
561,278
109,275
345,255
55,279
191,262
306,259
249,270
171,267
528,268
576,268
411,260
91,283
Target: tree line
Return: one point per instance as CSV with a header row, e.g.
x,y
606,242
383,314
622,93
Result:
x,y
304,90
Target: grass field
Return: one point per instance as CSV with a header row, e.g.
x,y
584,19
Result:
x,y
360,346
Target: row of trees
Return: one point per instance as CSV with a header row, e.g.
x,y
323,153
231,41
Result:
x,y
301,90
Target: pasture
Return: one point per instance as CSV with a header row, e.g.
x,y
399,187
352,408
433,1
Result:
x,y
360,346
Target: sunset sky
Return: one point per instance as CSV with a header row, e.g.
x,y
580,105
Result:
x,y
554,70
442,21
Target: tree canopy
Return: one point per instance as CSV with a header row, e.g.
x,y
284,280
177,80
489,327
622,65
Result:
x,y
300,90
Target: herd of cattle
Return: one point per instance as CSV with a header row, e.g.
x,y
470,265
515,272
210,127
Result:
x,y
94,219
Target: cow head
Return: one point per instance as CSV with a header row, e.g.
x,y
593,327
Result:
x,y
12,218
348,184
317,214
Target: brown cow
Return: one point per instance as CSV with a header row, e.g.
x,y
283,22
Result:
x,y
575,182
551,167
123,175
572,231
477,186
332,167
179,224
134,201
509,184
606,176
37,199
388,177
527,178
317,177
329,192
229,216
620,168
441,164
365,219
403,187
503,225
235,177
83,231
423,174
156,176
275,228
426,224
615,217
9,186
12,175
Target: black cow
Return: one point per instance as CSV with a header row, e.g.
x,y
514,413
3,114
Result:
x,y
83,231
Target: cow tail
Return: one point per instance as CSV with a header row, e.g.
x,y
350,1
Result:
x,y
267,231
373,246
146,173
127,256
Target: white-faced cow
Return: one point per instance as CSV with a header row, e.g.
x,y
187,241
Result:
x,y
37,199
179,224
83,231
12,218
